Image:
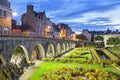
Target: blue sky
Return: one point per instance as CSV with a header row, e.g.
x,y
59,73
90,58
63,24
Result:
x,y
79,14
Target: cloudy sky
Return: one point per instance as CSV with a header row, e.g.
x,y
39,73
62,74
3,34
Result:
x,y
79,14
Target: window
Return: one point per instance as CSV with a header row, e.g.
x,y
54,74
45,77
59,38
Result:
x,y
5,14
6,31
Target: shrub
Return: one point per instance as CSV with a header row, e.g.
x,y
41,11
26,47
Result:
x,y
78,73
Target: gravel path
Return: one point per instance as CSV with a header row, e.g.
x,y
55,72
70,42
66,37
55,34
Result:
x,y
30,71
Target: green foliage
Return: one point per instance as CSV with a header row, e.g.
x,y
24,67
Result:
x,y
9,71
113,41
99,38
81,37
95,55
112,56
45,67
76,73
19,50
115,50
95,45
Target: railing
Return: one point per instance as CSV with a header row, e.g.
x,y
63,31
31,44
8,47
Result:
x,y
20,34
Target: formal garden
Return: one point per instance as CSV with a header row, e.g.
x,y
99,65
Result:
x,y
84,63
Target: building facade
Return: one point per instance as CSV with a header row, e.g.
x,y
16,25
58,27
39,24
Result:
x,y
86,33
5,17
41,26
65,31
107,36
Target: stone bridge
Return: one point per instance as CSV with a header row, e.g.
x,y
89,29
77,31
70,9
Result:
x,y
32,48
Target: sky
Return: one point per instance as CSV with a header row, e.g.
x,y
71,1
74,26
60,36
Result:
x,y
78,14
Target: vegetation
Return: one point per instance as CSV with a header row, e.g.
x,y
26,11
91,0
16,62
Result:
x,y
66,67
80,53
99,38
9,72
19,50
95,55
115,50
46,67
81,38
93,45
113,41
110,54
78,73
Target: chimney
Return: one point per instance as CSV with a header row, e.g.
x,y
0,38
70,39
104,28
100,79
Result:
x,y
30,8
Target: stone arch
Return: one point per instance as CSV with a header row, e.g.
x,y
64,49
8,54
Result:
x,y
6,31
67,47
70,45
38,52
20,55
63,48
58,49
50,53
73,45
2,61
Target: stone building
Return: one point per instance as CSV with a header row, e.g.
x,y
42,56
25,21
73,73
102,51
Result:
x,y
56,31
37,21
73,36
5,17
65,31
107,36
87,34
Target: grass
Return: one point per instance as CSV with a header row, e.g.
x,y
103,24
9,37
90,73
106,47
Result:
x,y
110,54
115,50
80,52
48,66
45,67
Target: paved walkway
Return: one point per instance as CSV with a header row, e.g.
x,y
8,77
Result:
x,y
30,71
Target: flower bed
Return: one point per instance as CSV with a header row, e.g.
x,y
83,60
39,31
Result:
x,y
74,60
78,73
116,65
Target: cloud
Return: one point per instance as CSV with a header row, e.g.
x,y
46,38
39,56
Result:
x,y
79,14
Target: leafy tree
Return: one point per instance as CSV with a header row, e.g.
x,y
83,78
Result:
x,y
99,38
113,41
81,38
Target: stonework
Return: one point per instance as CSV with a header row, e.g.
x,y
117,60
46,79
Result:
x,y
107,36
87,34
37,21
9,44
5,17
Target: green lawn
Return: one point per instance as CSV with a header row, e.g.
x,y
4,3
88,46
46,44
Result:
x,y
115,50
47,66
80,52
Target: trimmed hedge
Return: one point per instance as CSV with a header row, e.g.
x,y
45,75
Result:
x,y
74,60
78,73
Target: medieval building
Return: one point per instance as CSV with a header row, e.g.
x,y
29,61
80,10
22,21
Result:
x,y
37,23
5,18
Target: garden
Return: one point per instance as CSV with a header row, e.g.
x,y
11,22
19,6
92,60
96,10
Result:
x,y
79,64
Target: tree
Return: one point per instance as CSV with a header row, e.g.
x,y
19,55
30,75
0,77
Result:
x,y
81,37
113,41
99,38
